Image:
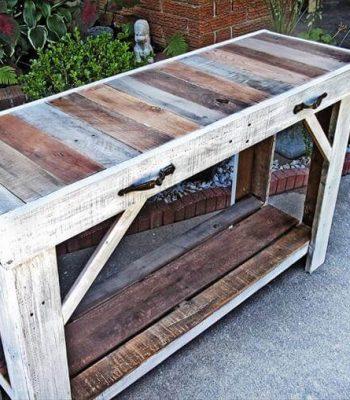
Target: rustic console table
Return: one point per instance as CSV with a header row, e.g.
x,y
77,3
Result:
x,y
71,161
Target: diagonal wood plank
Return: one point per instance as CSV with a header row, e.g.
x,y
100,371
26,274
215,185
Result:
x,y
140,111
126,130
211,99
319,136
256,67
243,93
291,53
98,259
289,65
188,109
236,75
60,160
25,179
338,54
77,134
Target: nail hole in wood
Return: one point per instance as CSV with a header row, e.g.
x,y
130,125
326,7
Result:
x,y
223,101
31,314
230,141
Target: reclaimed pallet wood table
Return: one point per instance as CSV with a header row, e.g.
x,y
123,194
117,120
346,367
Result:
x,y
71,161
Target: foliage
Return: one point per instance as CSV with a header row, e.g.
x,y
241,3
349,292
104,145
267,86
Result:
x,y
73,62
176,45
318,35
284,14
26,25
8,75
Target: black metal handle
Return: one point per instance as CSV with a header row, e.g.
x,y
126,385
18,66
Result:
x,y
149,184
312,104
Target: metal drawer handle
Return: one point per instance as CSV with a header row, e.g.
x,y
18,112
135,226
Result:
x,y
150,184
312,104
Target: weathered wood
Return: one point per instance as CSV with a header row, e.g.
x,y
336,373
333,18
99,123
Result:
x,y
32,331
225,87
244,173
8,201
166,253
319,136
127,363
6,387
52,155
132,133
95,198
25,179
80,136
188,109
328,190
98,260
140,111
126,313
262,165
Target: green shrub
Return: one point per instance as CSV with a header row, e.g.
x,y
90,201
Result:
x,y
318,35
73,62
176,45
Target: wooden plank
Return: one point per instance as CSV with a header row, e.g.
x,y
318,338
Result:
x,y
140,111
328,190
52,155
185,108
211,99
261,175
127,363
290,65
77,135
340,55
138,305
8,201
291,53
98,260
125,130
317,133
23,178
243,93
245,172
95,199
166,253
236,75
256,67
33,335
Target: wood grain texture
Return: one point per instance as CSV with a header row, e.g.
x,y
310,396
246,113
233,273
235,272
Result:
x,y
211,99
8,201
25,179
140,111
121,128
338,54
77,134
166,253
243,93
292,53
188,109
32,331
189,315
289,65
237,75
138,305
256,67
55,157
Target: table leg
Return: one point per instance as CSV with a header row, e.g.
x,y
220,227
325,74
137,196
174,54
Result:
x,y
32,330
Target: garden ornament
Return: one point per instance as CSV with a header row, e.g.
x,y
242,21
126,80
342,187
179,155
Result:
x,y
143,49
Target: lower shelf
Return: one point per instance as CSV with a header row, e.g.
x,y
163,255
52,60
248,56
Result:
x,y
119,340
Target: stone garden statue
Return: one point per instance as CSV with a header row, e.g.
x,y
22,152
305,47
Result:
x,y
143,49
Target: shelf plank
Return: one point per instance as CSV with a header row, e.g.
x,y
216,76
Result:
x,y
139,355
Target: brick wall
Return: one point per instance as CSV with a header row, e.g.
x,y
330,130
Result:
x,y
203,22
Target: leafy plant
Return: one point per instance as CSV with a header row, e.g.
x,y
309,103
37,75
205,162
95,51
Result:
x,y
26,25
284,14
318,35
74,61
8,75
176,45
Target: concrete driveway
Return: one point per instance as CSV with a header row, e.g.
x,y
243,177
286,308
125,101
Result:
x,y
291,340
